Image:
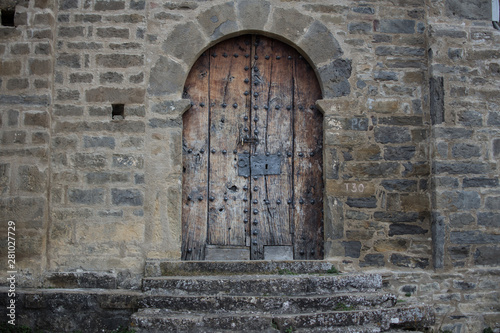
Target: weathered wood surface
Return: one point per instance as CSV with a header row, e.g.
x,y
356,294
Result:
x,y
258,88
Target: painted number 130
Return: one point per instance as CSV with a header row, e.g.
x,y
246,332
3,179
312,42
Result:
x,y
353,187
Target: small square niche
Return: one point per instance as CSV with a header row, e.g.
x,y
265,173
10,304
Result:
x,y
8,17
118,112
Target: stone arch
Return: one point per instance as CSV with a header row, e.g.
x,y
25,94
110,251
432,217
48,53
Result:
x,y
302,31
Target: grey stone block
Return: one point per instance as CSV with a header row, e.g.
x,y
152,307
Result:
x,y
98,141
82,160
320,44
167,77
438,240
397,26
400,185
164,123
119,60
465,150
127,197
493,118
334,77
492,203
218,20
410,262
68,4
39,119
115,95
398,216
480,182
68,110
470,118
460,220
370,202
104,5
373,260
352,249
86,197
31,179
181,47
111,77
71,60
459,200
473,237
489,219
128,161
71,32
388,134
401,153
399,51
14,208
13,137
290,23
460,168
453,133
469,9
113,32
4,177
487,255
385,76
106,177
253,14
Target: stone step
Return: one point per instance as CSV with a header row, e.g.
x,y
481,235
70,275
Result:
x,y
162,320
264,285
269,304
156,268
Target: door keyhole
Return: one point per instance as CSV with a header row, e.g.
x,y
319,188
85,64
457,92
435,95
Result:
x,y
267,166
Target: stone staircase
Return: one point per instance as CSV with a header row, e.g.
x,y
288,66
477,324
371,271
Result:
x,y
269,296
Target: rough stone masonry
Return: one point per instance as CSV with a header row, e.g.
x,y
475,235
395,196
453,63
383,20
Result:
x,y
91,136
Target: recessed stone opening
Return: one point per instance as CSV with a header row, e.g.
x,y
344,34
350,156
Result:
x,y
118,111
8,17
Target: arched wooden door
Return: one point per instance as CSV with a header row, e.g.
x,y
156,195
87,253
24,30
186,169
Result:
x,y
252,154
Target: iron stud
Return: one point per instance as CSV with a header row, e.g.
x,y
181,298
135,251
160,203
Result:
x,y
256,132
224,55
255,94
255,202
313,201
301,201
289,201
255,211
254,242
246,80
245,199
245,210
302,252
245,152
236,55
256,57
311,153
200,198
278,57
255,177
301,154
256,69
267,57
255,222
267,202
224,105
211,198
245,118
226,198
288,107
311,107
289,154
278,202
222,120
202,104
246,128
255,189
214,55
213,151
256,119
268,153
245,221
312,252
235,105
245,188
224,152
255,107
190,151
202,151
235,151
247,68
189,250
189,198
279,153
247,55
255,232
289,57
246,93
266,107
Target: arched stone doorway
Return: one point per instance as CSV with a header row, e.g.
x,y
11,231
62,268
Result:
x,y
252,154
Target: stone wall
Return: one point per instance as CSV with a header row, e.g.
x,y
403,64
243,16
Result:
x,y
91,128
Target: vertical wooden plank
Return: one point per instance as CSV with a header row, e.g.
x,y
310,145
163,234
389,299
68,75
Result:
x,y
272,103
195,162
308,164
227,205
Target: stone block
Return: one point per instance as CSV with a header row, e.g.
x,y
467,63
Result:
x,y
110,77
64,142
71,32
84,160
137,5
20,49
398,216
487,255
4,177
385,76
119,60
468,9
39,119
43,49
88,18
373,170
399,51
460,220
410,262
128,161
71,60
16,84
415,202
492,203
473,237
470,118
124,46
165,123
105,5
335,77
450,33
115,95
489,219
112,33
253,15
400,185
480,182
178,46
166,77
12,137
98,141
81,78
360,28
132,18
373,260
67,95
68,110
84,45
218,20
389,134
391,245
106,177
459,252
127,197
14,208
493,118
459,200
370,202
68,4
12,117
86,197
399,153
31,179
40,138
10,67
460,168
352,249
319,34
138,78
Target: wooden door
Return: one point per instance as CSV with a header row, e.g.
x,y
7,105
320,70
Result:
x,y
252,154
